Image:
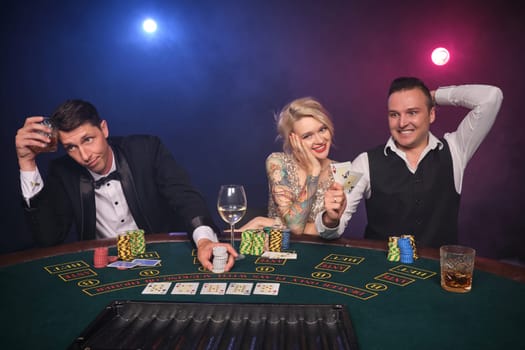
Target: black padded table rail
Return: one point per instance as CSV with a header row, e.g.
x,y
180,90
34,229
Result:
x,y
170,325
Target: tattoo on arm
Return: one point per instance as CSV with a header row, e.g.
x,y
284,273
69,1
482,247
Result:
x,y
293,210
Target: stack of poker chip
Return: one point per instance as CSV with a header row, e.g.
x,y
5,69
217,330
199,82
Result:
x,y
137,242
253,242
393,249
406,250
412,244
246,242
124,247
286,239
100,257
220,258
276,240
259,243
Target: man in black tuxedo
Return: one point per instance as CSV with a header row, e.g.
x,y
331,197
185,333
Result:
x,y
107,185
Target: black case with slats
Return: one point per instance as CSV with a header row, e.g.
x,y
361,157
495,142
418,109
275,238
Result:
x,y
171,325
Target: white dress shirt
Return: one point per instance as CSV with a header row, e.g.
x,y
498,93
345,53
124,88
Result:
x,y
113,214
483,101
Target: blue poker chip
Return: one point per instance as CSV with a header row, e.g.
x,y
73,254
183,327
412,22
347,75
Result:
x,y
285,243
405,242
406,259
406,250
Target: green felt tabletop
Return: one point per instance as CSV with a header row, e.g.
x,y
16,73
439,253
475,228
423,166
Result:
x,y
47,302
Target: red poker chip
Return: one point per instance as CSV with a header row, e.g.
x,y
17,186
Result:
x,y
101,250
100,257
100,263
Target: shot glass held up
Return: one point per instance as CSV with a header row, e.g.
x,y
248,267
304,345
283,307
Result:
x,y
52,146
457,267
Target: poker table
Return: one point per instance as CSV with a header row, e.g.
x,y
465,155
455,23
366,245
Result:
x,y
49,296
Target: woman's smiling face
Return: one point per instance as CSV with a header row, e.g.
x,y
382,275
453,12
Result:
x,y
315,136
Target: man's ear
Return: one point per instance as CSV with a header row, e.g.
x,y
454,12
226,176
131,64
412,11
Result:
x,y
432,114
104,128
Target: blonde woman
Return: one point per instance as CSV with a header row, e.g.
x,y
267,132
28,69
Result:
x,y
303,195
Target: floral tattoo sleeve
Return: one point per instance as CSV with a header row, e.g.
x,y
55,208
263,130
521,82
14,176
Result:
x,y
293,200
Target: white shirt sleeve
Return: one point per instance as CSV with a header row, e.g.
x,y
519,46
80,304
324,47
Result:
x,y
362,188
330,232
204,232
484,102
31,184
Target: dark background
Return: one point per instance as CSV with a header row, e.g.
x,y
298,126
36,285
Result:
x,y
209,81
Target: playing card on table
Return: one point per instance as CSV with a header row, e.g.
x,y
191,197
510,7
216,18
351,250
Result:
x,y
157,288
146,262
122,264
280,255
344,176
189,288
239,288
267,288
213,288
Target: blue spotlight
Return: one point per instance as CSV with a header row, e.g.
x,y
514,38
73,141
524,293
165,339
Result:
x,y
149,25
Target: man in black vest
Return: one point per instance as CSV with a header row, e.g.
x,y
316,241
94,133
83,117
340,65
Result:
x,y
412,184
107,185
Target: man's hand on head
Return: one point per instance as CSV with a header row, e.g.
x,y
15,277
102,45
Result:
x,y
205,253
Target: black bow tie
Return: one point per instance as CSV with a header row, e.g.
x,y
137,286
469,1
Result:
x,y
112,176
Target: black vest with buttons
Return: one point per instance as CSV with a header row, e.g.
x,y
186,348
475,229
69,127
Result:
x,y
424,204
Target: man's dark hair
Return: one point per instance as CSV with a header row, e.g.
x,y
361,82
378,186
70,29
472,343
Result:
x,y
73,113
409,83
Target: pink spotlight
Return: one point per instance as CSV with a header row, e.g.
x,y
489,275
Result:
x,y
440,56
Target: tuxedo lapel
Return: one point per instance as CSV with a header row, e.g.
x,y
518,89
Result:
x,y
128,186
87,208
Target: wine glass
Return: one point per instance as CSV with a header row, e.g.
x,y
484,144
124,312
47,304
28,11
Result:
x,y
231,205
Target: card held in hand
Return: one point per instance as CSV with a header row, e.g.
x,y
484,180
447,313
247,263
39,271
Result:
x,y
344,176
